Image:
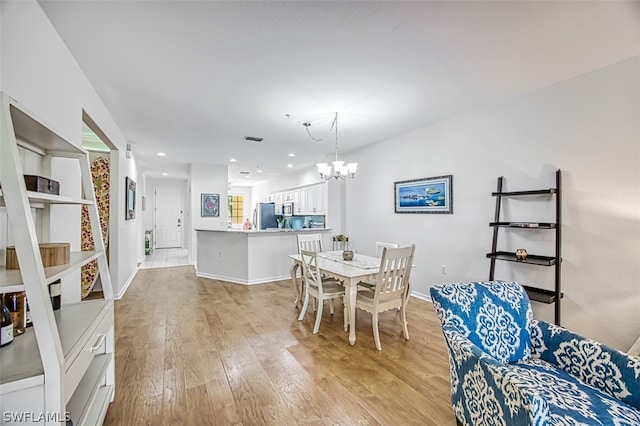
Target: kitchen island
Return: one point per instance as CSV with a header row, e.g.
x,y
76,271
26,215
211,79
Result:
x,y
249,257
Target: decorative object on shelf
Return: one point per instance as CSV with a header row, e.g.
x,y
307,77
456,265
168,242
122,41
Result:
x,y
428,195
6,324
52,254
130,202
338,169
55,293
42,184
15,302
210,205
521,254
347,255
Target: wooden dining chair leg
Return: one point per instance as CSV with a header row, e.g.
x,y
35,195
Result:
x,y
346,322
316,327
305,305
376,332
405,325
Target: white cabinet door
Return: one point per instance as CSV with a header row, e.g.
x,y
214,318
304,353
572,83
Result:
x,y
320,206
303,202
296,201
279,203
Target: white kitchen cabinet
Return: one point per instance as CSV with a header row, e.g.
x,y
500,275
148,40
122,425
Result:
x,y
64,363
303,206
320,202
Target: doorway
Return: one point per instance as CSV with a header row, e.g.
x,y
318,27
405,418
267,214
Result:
x,y
168,217
101,153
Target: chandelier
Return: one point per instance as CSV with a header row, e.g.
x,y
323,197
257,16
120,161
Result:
x,y
337,169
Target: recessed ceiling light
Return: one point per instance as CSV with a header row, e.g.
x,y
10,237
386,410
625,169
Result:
x,y
232,160
289,165
259,171
165,174
161,154
291,154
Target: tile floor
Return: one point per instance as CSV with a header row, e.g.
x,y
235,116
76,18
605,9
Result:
x,y
162,258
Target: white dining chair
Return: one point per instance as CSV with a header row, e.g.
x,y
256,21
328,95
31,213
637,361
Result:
x,y
309,242
369,285
380,246
391,290
318,288
340,242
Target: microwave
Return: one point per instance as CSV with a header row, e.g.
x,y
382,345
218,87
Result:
x,y
287,209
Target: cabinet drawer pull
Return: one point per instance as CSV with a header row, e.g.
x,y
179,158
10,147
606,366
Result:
x,y
98,343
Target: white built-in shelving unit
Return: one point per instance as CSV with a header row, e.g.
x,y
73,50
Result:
x,y
63,366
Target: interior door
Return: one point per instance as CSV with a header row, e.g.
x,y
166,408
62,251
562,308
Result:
x,y
168,217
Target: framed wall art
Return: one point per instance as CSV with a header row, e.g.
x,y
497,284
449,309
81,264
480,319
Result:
x,y
130,199
428,195
210,205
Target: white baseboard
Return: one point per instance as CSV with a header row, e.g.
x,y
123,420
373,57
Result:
x,y
240,281
126,285
635,348
421,296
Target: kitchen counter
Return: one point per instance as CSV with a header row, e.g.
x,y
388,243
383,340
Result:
x,y
266,231
249,257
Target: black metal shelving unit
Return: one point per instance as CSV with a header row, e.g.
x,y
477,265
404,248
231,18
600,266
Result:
x,y
536,294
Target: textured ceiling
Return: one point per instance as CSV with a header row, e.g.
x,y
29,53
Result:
x,y
192,79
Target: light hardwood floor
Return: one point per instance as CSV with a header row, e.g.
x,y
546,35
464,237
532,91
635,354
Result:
x,y
193,351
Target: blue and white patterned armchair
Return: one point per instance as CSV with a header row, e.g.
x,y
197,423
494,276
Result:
x,y
510,369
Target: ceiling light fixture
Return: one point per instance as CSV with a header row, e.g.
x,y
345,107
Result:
x,y
291,154
232,160
161,154
165,174
338,169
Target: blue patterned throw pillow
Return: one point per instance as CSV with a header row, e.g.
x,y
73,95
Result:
x,y
495,315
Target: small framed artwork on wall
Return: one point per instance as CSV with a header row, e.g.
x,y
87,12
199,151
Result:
x,y
130,198
210,205
427,195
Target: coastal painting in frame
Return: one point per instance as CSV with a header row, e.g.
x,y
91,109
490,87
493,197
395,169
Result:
x,y
210,205
428,195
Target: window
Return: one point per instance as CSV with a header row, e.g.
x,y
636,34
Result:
x,y
236,209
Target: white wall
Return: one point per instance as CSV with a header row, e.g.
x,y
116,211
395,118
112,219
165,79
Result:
x,y
589,127
39,71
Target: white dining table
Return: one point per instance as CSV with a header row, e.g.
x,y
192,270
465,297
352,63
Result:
x,y
349,273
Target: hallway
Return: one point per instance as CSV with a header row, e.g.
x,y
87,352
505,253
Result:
x,y
163,258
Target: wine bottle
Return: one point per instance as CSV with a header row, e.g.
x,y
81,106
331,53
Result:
x,y
55,290
27,315
15,303
6,325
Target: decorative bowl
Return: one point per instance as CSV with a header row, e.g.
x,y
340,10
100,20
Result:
x,y
521,254
347,255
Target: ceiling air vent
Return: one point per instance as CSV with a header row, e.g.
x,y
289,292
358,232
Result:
x,y
252,139
245,173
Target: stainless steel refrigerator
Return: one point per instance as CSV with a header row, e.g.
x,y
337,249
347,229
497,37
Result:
x,y
264,216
